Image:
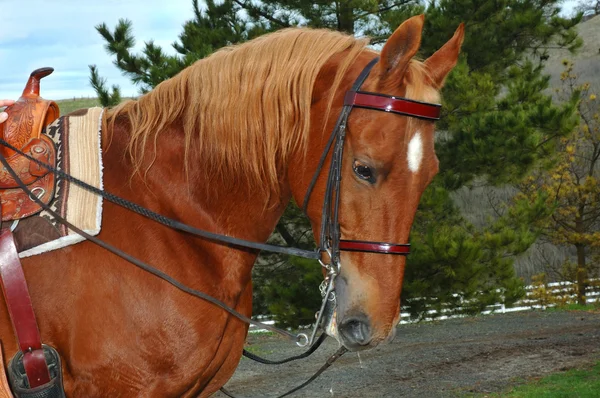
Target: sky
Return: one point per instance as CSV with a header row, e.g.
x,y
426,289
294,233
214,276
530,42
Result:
x,y
61,34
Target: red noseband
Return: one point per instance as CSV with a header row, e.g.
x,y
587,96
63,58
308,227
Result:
x,y
374,247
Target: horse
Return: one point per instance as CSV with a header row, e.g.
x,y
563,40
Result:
x,y
225,145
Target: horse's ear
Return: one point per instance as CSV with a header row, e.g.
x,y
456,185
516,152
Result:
x,y
444,59
402,45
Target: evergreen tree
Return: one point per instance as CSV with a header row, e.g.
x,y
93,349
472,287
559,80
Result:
x,y
217,26
350,16
106,97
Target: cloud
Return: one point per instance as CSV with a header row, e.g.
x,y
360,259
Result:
x,y
61,34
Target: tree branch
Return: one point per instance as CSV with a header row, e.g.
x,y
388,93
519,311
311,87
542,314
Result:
x,y
258,11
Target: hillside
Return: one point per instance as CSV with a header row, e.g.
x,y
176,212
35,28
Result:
x,y
587,60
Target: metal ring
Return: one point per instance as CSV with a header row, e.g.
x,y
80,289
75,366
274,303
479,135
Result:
x,y
37,189
299,338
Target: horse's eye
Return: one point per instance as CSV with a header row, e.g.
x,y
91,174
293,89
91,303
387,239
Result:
x,y
363,172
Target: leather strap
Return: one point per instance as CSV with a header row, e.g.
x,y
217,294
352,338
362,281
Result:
x,y
388,103
374,247
16,296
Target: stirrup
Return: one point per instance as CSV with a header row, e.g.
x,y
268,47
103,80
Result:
x,y
20,384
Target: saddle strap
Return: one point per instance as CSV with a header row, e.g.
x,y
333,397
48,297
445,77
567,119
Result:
x,y
16,296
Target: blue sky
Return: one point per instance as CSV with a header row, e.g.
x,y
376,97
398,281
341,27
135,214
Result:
x,y
61,34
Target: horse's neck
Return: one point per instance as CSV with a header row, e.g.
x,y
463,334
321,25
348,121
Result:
x,y
198,199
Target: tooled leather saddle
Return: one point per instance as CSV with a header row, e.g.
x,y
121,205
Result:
x,y
23,130
34,372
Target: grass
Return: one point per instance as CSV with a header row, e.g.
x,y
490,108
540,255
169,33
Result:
x,y
575,307
70,105
579,383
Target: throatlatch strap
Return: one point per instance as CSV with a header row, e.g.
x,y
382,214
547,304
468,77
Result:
x,y
21,312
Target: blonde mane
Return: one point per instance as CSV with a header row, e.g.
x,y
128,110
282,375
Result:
x,y
245,108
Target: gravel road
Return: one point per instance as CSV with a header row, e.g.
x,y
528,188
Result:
x,y
434,359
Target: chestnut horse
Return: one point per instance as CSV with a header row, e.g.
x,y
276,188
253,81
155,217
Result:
x,y
225,145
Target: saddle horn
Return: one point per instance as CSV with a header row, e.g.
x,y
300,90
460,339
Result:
x,y
32,88
29,115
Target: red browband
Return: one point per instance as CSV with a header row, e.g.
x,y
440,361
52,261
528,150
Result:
x,y
374,247
387,103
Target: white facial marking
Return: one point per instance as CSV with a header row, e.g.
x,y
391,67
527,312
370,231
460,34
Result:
x,y
415,152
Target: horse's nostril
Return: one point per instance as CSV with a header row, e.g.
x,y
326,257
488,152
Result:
x,y
356,331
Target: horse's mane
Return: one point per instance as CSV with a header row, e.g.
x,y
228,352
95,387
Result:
x,y
246,107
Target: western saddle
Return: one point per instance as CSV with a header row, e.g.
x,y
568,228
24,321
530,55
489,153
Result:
x,y
23,130
33,370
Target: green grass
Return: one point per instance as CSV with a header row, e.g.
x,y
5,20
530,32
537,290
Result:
x,y
576,307
70,105
575,383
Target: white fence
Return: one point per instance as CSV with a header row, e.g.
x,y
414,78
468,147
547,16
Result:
x,y
535,298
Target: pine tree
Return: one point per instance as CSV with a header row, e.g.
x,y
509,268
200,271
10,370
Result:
x,y
350,16
217,26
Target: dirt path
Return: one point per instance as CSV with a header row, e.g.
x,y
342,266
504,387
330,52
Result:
x,y
441,359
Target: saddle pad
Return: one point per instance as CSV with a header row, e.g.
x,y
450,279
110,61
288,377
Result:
x,y
78,153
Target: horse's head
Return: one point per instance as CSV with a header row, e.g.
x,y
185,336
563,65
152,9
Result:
x,y
388,161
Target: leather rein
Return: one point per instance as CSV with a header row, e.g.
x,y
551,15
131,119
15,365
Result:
x,y
330,241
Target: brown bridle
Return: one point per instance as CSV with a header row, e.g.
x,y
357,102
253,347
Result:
x,y
330,240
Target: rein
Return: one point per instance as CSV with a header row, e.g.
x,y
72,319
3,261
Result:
x,y
330,240
341,351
